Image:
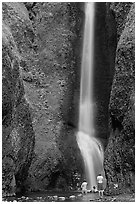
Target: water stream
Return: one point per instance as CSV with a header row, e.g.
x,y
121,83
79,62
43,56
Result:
x,y
91,148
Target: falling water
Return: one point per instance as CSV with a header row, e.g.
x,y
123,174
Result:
x,y
90,147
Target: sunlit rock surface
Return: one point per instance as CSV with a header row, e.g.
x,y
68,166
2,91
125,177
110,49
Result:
x,y
18,135
120,152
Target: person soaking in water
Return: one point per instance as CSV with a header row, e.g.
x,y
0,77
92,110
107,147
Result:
x,y
84,187
100,180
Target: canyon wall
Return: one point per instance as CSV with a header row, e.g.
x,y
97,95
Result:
x,y
120,151
47,40
17,131
52,90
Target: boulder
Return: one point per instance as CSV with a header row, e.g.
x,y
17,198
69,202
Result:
x,y
55,197
72,197
61,198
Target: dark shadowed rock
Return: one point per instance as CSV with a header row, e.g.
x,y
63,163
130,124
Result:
x,y
105,41
120,152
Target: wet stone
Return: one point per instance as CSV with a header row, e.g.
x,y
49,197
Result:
x,y
50,197
79,195
55,197
62,198
72,197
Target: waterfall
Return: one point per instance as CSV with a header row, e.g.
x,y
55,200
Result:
x,y
90,147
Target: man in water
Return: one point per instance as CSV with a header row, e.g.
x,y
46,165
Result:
x,y
84,187
100,185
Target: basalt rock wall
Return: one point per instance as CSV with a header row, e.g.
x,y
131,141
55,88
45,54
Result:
x,y
120,152
47,39
54,96
17,132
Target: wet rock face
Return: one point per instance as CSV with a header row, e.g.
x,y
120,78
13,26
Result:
x,y
53,95
120,152
18,135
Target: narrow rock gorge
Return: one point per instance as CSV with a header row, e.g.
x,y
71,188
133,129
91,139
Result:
x,y
41,60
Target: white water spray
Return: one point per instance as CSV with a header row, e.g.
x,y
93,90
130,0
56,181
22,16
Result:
x,y
90,147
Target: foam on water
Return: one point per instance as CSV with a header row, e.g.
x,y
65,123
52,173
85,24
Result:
x,y
93,156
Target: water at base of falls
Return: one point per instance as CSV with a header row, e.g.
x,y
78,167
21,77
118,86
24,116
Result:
x,y
92,153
